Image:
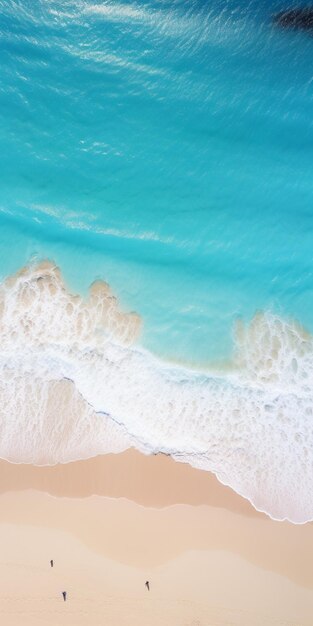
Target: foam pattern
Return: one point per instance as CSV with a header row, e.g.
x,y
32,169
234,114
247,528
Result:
x,y
74,383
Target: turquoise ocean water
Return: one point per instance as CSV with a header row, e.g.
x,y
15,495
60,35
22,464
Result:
x,y
167,148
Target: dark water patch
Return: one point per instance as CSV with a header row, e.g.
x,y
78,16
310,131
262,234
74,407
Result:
x,y
296,19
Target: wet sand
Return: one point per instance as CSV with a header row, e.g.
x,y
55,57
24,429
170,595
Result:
x,y
113,522
154,481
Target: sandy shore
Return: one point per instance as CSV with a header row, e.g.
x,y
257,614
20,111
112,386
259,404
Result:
x,y
153,481
113,522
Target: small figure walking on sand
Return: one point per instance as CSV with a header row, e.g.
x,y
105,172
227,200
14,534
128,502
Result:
x,y
147,585
51,563
64,595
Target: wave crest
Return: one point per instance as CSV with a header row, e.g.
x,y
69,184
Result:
x,y
35,308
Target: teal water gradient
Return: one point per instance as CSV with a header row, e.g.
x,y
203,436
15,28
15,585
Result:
x,y
166,147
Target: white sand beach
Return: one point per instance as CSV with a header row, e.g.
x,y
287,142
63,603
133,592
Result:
x,y
113,522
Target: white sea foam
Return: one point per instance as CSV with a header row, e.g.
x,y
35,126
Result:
x,y
73,383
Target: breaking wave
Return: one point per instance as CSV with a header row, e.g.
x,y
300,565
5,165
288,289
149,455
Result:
x,y
74,383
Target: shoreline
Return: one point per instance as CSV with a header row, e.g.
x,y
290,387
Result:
x,y
112,522
159,487
131,475
82,367
113,474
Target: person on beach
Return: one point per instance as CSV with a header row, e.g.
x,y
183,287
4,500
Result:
x,y
51,563
147,585
64,595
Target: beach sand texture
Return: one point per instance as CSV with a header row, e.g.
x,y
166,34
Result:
x,y
113,522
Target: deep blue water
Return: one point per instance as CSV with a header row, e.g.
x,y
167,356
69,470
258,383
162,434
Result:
x,y
166,147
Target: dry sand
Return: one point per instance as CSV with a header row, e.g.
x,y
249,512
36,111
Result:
x,y
113,522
